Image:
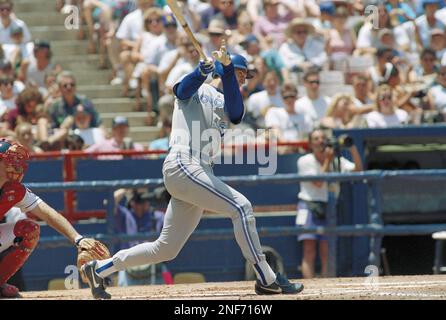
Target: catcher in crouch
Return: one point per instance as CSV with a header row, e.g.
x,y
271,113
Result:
x,y
18,240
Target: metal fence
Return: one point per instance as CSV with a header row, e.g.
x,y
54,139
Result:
x,y
374,229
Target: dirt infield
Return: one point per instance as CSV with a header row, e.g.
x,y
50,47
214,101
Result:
x,y
401,287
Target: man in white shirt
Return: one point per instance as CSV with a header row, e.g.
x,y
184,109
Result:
x,y
129,31
313,104
425,24
7,96
302,50
6,70
313,197
39,64
7,23
289,125
186,64
259,102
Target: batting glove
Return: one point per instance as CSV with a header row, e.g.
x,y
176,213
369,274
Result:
x,y
206,67
222,55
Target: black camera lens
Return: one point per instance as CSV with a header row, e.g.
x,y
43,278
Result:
x,y
345,141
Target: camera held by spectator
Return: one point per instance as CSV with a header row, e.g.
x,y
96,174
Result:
x,y
342,142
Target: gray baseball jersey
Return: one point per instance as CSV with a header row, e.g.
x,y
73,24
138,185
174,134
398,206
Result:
x,y
194,188
199,123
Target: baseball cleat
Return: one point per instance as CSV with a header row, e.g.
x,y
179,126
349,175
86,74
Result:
x,y
280,286
96,282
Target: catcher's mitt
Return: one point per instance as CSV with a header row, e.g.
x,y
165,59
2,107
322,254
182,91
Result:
x,y
91,249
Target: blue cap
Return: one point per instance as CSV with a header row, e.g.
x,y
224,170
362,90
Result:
x,y
169,20
426,2
249,39
327,7
238,61
120,120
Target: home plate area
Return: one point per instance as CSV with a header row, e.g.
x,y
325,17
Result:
x,y
381,288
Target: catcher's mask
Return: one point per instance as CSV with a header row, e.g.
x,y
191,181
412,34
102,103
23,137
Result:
x,y
14,156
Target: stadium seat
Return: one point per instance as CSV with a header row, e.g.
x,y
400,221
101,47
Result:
x,y
332,77
189,277
439,238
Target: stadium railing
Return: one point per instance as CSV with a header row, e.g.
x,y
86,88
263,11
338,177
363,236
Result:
x,y
375,229
69,170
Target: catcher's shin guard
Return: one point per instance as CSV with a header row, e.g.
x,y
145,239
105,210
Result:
x,y
26,234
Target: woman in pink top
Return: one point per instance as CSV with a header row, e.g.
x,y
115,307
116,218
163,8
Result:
x,y
272,25
341,41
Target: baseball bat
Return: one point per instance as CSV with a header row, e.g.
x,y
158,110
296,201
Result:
x,y
173,5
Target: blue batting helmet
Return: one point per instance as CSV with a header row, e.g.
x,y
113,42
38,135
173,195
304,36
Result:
x,y
238,61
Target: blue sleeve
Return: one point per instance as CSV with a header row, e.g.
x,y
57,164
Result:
x,y
189,85
234,107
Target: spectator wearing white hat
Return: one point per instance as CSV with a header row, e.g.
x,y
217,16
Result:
x,y
302,51
216,32
438,43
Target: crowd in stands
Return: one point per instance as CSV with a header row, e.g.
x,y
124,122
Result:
x,y
316,63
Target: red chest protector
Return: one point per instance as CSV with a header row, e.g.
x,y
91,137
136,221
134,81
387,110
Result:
x,y
10,194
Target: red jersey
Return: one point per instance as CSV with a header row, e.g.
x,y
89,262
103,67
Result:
x,y
15,194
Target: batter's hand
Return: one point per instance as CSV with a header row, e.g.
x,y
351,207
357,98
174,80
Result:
x,y
206,67
222,55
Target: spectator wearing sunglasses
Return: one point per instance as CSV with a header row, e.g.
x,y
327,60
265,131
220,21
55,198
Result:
x,y
386,114
66,105
313,104
6,70
302,50
9,22
287,124
7,97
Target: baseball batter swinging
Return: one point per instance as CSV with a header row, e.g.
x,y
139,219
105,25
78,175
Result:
x,y
188,177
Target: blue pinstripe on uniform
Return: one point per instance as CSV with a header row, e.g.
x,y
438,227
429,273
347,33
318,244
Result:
x,y
225,198
231,202
104,267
